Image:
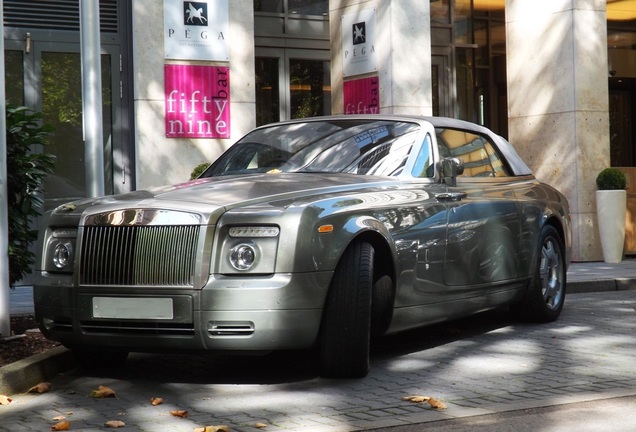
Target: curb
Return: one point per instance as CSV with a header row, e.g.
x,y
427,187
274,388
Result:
x,y
601,285
20,376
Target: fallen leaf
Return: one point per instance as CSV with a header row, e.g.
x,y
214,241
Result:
x,y
416,399
156,401
103,392
59,418
43,387
61,426
114,424
260,425
220,428
179,413
437,404
5,400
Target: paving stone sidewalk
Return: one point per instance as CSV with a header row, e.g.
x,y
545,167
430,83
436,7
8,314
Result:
x,y
485,364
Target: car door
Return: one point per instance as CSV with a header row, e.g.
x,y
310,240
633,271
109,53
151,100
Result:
x,y
420,237
483,231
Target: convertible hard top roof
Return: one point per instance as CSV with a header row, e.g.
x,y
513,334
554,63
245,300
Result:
x,y
516,164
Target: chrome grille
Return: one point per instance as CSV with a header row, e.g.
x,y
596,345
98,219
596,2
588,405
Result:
x,y
138,255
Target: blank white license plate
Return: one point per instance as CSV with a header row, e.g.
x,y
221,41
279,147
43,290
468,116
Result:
x,y
132,308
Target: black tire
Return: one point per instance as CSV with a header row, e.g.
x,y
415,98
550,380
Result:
x,y
381,305
545,296
100,359
346,323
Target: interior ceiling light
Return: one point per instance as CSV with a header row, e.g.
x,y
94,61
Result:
x,y
617,10
621,10
489,4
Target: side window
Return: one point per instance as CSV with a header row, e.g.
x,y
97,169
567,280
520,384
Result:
x,y
423,166
479,156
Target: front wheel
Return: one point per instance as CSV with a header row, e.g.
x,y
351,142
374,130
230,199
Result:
x,y
544,297
346,323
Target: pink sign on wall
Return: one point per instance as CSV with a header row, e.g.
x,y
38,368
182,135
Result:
x,y
197,101
362,96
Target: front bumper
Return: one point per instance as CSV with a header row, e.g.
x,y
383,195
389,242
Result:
x,y
283,311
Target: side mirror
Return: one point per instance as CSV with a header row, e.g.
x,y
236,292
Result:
x,y
451,168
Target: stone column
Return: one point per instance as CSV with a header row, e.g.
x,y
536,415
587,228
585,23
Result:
x,y
403,45
558,102
162,160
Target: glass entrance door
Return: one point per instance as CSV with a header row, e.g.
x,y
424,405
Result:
x,y
291,84
46,76
440,77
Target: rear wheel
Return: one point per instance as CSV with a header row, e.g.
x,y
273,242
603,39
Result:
x,y
346,323
544,297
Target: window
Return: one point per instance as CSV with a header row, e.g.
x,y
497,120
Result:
x,y
363,147
300,7
478,155
423,166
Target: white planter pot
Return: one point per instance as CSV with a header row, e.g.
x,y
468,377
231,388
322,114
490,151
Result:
x,y
611,206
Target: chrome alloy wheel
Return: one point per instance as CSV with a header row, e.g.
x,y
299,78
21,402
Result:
x,y
551,274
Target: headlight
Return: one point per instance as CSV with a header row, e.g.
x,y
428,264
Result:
x,y
60,250
243,256
248,249
62,255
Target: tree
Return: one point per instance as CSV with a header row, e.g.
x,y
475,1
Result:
x,y
27,167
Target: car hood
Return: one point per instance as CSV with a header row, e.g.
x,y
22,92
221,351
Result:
x,y
255,189
211,195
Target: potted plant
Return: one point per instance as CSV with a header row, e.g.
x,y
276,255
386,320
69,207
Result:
x,y
611,207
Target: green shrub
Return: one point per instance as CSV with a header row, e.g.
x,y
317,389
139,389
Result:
x,y
611,179
198,170
26,170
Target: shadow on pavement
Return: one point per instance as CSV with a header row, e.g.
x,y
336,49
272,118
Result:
x,y
436,335
289,366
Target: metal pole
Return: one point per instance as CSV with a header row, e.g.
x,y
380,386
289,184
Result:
x,y
5,317
92,97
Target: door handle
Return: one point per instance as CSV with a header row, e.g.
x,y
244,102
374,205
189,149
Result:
x,y
451,196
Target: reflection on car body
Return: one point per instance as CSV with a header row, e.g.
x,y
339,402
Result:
x,y
317,232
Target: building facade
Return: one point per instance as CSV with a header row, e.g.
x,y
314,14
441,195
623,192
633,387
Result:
x,y
556,77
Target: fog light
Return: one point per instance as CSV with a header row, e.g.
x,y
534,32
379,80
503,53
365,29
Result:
x,y
243,256
48,323
62,255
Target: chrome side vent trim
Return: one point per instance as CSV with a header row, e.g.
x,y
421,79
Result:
x,y
138,255
230,328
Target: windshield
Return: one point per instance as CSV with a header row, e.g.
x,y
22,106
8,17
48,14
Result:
x,y
367,147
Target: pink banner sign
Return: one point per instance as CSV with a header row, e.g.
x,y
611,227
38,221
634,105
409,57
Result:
x,y
362,96
197,101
